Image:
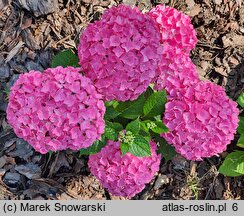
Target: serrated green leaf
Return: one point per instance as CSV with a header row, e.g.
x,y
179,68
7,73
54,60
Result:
x,y
144,126
161,128
240,128
240,164
124,147
131,109
110,103
122,106
240,100
240,142
148,92
167,151
233,164
158,118
115,125
111,113
122,121
140,147
94,148
145,134
133,126
154,104
110,133
65,58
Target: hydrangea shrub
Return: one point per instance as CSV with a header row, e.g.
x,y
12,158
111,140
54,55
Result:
x,y
136,88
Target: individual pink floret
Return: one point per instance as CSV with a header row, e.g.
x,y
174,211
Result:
x,y
59,109
123,175
202,122
176,72
120,53
175,27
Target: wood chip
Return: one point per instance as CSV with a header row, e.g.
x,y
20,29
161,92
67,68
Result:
x,y
233,41
190,3
26,23
233,61
3,3
14,51
221,71
217,2
39,8
194,10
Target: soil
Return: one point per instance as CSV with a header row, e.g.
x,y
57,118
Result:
x,y
29,37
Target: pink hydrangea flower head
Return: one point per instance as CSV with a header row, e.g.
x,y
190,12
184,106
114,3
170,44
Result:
x,y
176,72
59,109
175,27
202,122
123,175
120,53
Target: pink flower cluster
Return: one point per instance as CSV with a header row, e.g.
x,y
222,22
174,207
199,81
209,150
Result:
x,y
120,53
123,175
202,121
56,110
175,28
177,72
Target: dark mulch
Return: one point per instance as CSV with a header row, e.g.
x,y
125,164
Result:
x,y
29,39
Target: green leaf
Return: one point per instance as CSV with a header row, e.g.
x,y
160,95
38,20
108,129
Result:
x,y
124,147
240,142
240,100
158,118
122,121
131,109
240,128
110,133
148,92
240,163
140,147
115,125
133,126
167,151
233,164
111,103
161,128
94,148
111,113
144,125
65,58
145,134
155,103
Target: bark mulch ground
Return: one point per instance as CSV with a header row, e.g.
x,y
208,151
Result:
x,y
31,34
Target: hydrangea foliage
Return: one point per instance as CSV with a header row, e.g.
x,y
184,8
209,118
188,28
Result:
x,y
202,122
123,175
56,110
120,53
175,28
